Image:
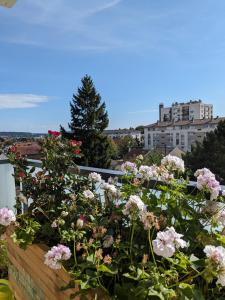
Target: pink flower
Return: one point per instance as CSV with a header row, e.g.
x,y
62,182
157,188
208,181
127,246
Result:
x,y
55,256
206,181
167,242
7,216
216,254
88,194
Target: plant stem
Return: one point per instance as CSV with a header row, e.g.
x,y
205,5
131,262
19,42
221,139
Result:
x,y
150,244
131,241
74,251
187,279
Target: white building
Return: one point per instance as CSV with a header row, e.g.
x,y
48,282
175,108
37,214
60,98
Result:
x,y
121,133
182,134
191,110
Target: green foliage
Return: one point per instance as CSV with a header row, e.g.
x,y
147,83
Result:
x,y
88,121
210,153
112,249
3,259
5,291
26,231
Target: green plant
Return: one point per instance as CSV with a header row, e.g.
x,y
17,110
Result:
x,y
140,242
5,291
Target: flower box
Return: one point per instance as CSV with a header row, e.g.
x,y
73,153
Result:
x,y
30,278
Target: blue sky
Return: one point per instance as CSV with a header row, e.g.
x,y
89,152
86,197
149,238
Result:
x,y
138,52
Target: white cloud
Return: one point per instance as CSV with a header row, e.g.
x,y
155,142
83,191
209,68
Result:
x,y
8,101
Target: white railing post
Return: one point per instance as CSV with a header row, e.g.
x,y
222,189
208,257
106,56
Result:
x,y
7,186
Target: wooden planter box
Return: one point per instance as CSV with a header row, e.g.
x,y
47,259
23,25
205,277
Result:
x,y
31,279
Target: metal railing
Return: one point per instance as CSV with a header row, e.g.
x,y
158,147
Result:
x,y
8,187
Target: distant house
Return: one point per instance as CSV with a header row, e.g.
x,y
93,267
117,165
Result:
x,y
121,133
29,149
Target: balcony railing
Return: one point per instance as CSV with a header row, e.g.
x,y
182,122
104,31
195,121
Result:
x,y
8,187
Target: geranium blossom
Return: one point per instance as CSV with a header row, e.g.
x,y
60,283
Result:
x,y
147,172
95,177
54,133
7,216
110,188
173,163
216,254
167,242
129,167
88,194
133,205
206,181
55,256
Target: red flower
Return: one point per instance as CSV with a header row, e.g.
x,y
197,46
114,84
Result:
x,y
22,174
54,133
75,143
13,149
77,151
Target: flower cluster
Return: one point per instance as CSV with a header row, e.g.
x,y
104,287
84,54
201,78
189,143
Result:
x,y
88,194
110,188
167,242
217,256
54,133
206,181
94,177
55,256
7,216
173,163
129,167
134,206
148,172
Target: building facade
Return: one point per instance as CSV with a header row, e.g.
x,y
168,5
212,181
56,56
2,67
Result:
x,y
121,133
191,110
182,134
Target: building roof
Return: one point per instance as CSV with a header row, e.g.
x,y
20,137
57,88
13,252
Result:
x,y
121,131
28,148
184,122
177,152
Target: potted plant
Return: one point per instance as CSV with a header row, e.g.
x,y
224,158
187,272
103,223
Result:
x,y
139,242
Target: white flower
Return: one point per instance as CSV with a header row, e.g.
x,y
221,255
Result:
x,y
80,223
216,254
167,242
147,172
110,188
173,163
54,224
134,204
108,241
7,216
88,194
221,217
221,278
95,177
64,213
129,167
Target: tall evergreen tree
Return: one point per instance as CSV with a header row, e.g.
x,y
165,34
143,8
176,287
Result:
x,y
89,118
210,153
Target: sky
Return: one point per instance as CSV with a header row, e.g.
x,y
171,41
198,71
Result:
x,y
138,52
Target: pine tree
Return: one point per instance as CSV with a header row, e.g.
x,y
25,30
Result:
x,y
89,118
210,153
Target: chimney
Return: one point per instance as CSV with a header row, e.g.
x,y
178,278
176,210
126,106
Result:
x,y
161,106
